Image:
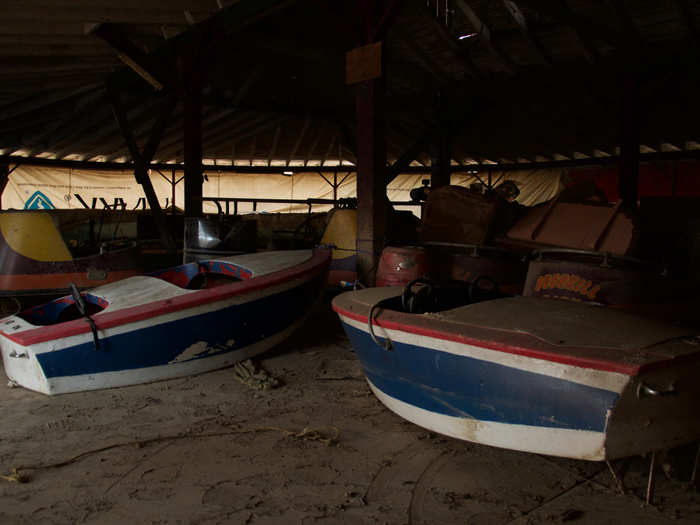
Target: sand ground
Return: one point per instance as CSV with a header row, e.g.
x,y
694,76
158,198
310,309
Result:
x,y
318,449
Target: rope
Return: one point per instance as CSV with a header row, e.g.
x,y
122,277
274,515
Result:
x,y
387,342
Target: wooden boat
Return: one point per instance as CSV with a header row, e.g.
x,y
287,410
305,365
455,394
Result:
x,y
176,322
524,373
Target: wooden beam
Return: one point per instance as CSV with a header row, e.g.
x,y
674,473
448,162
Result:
x,y
485,35
629,140
42,101
230,20
192,80
348,136
141,162
686,14
459,50
312,146
248,129
142,64
534,42
331,143
273,148
297,143
408,156
371,178
215,123
581,28
252,149
4,178
247,84
441,155
572,162
629,39
391,10
425,62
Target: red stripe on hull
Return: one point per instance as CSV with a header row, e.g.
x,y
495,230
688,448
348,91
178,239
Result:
x,y
592,363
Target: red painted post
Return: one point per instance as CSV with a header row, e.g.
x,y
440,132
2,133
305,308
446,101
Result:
x,y
371,186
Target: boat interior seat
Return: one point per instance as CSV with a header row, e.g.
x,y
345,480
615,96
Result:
x,y
424,295
212,274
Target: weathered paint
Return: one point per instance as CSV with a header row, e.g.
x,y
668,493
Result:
x,y
518,390
151,328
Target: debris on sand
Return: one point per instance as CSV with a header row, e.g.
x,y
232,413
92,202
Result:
x,y
249,374
15,477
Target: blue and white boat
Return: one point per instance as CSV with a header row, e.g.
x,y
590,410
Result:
x,y
530,374
176,322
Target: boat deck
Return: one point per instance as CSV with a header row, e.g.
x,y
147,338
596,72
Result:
x,y
548,329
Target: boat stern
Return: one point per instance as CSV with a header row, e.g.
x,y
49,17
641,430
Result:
x,y
658,409
20,363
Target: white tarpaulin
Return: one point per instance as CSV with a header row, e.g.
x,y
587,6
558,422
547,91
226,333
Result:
x,y
31,187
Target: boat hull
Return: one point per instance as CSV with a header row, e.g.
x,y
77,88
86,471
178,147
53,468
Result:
x,y
178,342
502,397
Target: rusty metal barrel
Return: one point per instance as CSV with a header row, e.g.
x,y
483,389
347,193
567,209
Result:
x,y
399,265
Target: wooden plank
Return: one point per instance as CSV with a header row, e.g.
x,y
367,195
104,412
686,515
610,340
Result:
x,y
363,63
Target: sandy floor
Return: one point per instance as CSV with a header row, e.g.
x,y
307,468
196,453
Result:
x,y
209,449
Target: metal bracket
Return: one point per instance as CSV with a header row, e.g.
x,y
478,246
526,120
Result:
x,y
644,390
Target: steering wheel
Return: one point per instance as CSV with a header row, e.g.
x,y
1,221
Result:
x,y
409,295
78,299
81,305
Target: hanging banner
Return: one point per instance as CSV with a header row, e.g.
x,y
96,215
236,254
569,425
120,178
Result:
x,y
32,187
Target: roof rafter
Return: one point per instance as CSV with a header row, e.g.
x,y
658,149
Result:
x,y
534,42
485,36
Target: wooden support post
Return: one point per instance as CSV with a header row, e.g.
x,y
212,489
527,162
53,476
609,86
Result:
x,y
441,149
335,187
193,133
372,202
440,169
173,183
629,140
674,178
142,159
365,69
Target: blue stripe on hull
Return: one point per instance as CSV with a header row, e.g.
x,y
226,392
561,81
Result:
x,y
157,345
461,386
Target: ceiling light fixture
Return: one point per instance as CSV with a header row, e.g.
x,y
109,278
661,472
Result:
x,y
467,36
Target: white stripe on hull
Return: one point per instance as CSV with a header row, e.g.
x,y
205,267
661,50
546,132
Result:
x,y
612,381
29,373
577,444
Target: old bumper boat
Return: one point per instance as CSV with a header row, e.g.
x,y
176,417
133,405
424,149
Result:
x,y
180,321
523,373
36,260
